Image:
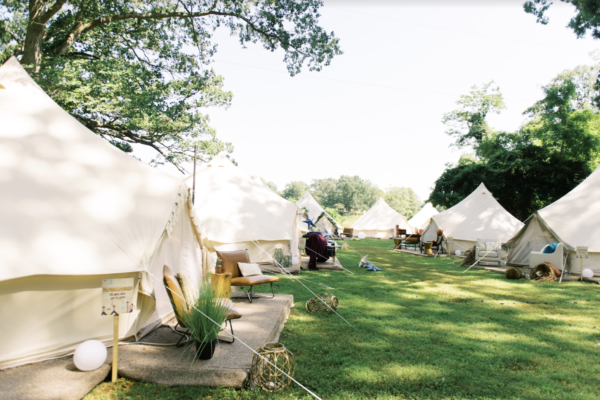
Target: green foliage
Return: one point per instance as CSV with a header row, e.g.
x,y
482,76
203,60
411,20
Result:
x,y
551,154
294,191
206,308
424,330
523,176
325,191
333,213
587,15
468,123
346,194
127,71
403,200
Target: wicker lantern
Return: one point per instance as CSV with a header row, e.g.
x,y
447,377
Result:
x,y
315,304
263,374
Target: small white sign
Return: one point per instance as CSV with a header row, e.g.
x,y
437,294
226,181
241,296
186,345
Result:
x,y
117,296
582,252
450,240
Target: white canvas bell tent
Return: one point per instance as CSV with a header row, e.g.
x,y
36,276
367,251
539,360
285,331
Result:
x,y
317,214
573,220
423,217
238,212
478,216
379,221
75,210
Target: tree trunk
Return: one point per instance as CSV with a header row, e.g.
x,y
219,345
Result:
x,y
32,52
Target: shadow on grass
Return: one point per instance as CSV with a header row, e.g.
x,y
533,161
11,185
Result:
x,y
424,330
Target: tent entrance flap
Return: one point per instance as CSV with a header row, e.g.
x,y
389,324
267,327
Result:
x,y
533,237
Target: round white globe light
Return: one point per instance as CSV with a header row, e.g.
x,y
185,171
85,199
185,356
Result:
x,y
458,252
89,355
361,235
588,273
295,261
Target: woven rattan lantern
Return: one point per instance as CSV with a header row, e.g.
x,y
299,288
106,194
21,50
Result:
x,y
265,375
315,304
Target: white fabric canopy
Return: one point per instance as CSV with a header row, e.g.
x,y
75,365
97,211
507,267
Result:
x,y
421,219
379,221
478,216
314,211
237,211
74,210
573,220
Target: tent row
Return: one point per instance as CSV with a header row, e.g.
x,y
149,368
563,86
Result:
x,y
76,210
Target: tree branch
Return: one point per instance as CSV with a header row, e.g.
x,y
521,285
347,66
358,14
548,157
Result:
x,y
45,17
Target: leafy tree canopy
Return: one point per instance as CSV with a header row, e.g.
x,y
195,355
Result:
x,y
404,200
546,158
587,16
137,72
468,123
294,191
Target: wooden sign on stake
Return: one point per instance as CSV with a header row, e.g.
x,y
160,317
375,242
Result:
x,y
582,252
117,298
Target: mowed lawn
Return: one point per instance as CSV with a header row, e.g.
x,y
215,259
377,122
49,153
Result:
x,y
421,329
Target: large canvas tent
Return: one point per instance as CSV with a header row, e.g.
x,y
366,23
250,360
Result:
x,y
478,216
379,221
238,212
573,220
317,214
422,218
75,210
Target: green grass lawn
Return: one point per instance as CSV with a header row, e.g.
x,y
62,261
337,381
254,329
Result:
x,y
424,330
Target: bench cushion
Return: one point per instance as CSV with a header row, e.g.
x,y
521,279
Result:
x,y
253,280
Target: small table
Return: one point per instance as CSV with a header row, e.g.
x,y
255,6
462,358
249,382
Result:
x,y
398,242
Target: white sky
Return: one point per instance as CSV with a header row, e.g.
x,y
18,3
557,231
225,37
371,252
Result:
x,y
376,110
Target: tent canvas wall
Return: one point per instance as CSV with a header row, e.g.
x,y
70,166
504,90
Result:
x,y
75,210
314,212
573,220
379,221
422,218
238,212
478,216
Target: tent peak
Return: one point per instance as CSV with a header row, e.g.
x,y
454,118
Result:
x,y
220,160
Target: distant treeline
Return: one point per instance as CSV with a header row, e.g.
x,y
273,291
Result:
x,y
351,195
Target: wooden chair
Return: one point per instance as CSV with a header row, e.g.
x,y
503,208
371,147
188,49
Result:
x,y
438,246
413,241
181,305
348,232
229,263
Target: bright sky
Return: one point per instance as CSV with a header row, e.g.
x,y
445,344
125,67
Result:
x,y
376,110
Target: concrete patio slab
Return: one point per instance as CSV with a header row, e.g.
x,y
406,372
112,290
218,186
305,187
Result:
x,y
262,321
272,269
54,379
329,265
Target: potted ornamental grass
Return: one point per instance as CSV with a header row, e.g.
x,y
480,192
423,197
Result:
x,y
204,321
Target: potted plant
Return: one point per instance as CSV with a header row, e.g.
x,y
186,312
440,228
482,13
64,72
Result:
x,y
204,321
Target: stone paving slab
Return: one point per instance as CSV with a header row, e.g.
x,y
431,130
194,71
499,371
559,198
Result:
x,y
272,269
57,379
262,321
328,265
